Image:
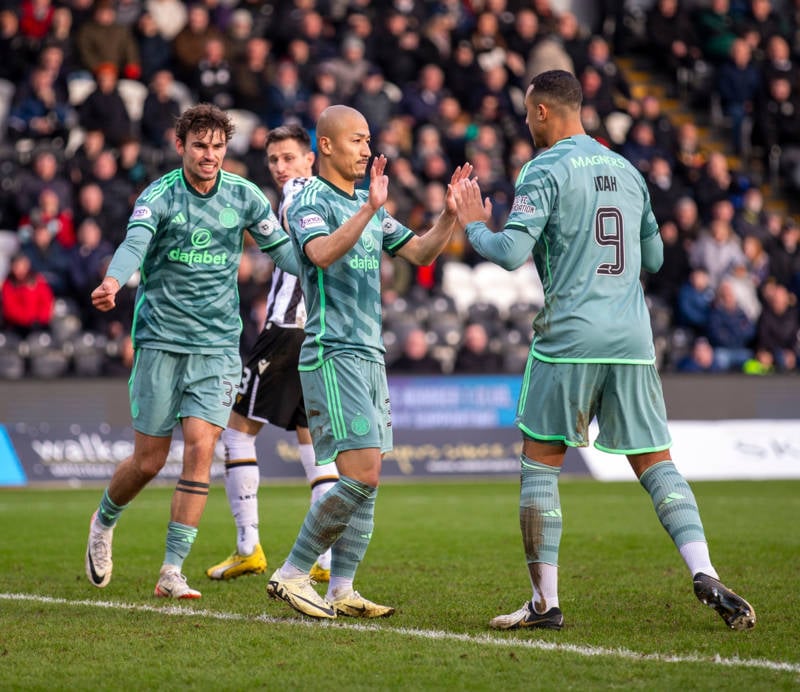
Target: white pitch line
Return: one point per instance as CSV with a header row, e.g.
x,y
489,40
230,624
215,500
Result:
x,y
586,651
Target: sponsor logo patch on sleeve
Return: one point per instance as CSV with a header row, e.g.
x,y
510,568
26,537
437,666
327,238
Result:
x,y
141,213
522,205
268,225
311,220
388,225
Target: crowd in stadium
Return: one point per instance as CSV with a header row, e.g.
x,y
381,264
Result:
x,y
89,90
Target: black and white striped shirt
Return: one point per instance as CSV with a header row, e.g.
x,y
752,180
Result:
x,y
285,305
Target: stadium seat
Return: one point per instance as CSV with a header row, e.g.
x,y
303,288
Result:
x,y
66,322
9,244
182,94
447,329
12,363
47,359
458,284
88,354
245,122
133,94
528,284
7,90
79,86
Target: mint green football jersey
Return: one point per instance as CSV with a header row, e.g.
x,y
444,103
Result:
x,y
588,211
343,302
187,301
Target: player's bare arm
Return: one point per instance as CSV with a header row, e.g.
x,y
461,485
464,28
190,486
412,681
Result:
x,y
423,249
324,251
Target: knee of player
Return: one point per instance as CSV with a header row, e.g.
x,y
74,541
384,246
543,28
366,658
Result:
x,y
238,445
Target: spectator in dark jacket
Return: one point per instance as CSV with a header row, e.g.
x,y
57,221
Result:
x,y
778,327
738,83
48,258
700,359
416,358
694,301
730,331
104,108
86,262
475,354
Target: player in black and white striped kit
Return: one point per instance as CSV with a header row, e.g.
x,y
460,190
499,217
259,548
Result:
x,y
270,389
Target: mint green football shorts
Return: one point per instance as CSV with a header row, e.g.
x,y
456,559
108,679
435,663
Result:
x,y
166,387
558,401
347,404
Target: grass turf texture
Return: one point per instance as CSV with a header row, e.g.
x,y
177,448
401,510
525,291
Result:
x,y
447,555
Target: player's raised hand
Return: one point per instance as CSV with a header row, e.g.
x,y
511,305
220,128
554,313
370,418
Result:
x,y
469,204
378,183
104,296
460,173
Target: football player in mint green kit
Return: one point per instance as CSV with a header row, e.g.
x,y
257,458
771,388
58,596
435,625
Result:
x,y
584,214
185,235
340,233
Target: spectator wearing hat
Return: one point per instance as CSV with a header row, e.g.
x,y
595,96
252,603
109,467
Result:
x,y
104,108
27,299
103,41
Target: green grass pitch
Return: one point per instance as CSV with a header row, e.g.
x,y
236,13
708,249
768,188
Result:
x,y
448,555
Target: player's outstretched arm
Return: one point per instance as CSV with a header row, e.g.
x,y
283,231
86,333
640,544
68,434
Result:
x,y
423,249
325,250
510,248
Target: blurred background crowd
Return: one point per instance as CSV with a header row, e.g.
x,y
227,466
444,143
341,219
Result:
x,y
702,97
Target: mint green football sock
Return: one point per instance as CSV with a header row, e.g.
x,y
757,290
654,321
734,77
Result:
x,y
349,550
109,511
327,520
539,511
180,538
674,503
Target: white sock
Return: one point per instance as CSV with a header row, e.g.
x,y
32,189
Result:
x,y
289,571
697,559
544,586
242,478
324,560
320,478
338,585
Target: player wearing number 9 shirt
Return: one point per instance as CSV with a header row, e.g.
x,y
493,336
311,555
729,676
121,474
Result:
x,y
584,214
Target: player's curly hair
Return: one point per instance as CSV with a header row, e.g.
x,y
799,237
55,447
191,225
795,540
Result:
x,y
202,118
